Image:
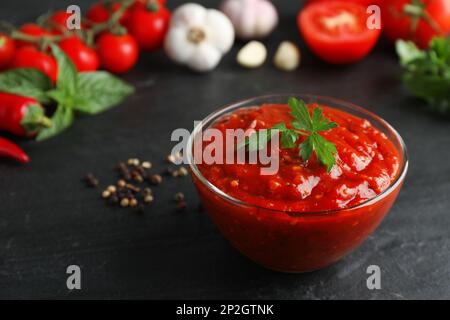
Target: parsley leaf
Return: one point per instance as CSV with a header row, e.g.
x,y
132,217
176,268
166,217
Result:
x,y
303,124
427,73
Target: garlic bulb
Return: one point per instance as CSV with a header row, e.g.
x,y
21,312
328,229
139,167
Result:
x,y
198,37
252,19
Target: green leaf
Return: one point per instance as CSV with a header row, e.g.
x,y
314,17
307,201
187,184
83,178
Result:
x,y
28,82
306,149
302,119
99,91
259,140
61,120
408,51
325,150
309,126
67,72
427,73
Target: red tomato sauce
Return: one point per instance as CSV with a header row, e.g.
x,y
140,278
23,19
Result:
x,y
367,163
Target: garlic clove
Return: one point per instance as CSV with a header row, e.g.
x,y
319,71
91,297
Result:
x,y
252,55
287,56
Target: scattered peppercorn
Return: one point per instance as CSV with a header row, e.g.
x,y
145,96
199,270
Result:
x,y
133,188
124,202
179,197
183,172
137,176
91,180
133,202
124,171
146,165
155,179
171,158
127,194
148,198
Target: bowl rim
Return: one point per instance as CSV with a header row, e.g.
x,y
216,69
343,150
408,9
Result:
x,y
244,104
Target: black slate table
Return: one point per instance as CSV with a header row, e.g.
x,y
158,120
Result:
x,y
49,220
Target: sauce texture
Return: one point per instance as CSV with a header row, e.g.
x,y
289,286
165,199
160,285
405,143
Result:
x,y
367,163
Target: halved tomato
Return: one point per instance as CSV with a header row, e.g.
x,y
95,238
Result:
x,y
336,31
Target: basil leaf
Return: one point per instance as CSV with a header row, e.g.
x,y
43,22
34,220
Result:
x,y
67,72
28,82
99,91
61,120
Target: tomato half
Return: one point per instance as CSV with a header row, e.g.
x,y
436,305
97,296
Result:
x,y
336,31
432,19
7,50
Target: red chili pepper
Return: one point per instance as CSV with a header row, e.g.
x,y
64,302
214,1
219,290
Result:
x,y
12,151
21,116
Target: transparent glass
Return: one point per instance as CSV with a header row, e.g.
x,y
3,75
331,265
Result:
x,y
296,241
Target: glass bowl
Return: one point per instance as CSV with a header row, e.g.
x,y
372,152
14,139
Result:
x,y
296,241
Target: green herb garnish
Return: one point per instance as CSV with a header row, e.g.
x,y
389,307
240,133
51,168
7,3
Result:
x,y
75,92
427,73
303,124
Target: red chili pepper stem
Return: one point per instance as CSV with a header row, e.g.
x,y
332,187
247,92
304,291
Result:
x,y
12,151
22,116
35,119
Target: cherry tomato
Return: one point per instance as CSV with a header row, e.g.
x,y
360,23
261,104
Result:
x,y
7,50
31,57
365,3
101,12
336,31
117,53
31,29
433,17
84,58
149,25
58,21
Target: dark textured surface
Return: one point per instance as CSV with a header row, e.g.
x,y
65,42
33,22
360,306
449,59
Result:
x,y
49,220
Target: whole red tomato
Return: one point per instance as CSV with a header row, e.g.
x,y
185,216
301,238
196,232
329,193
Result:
x,y
58,21
102,11
84,58
31,57
149,25
7,50
31,29
336,31
117,53
417,20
